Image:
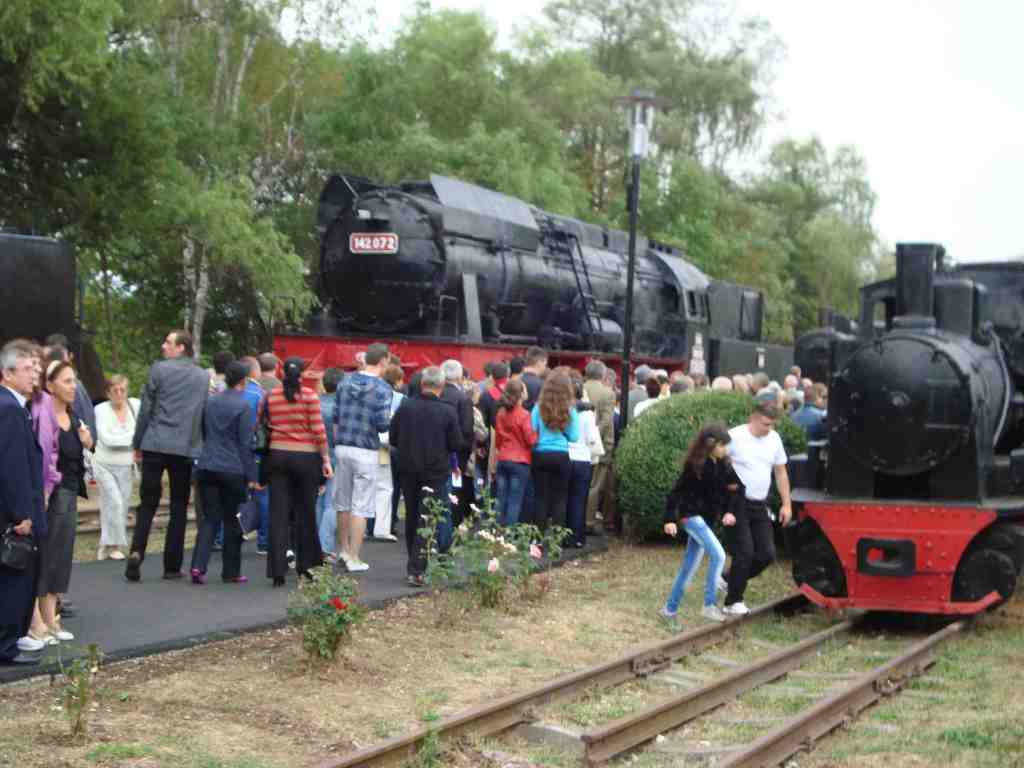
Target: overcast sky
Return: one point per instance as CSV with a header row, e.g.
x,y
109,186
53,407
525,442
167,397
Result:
x,y
929,91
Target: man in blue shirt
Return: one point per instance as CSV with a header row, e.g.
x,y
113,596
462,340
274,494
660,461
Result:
x,y
812,415
253,394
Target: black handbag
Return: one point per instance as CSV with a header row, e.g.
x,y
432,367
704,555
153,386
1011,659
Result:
x,y
16,551
249,516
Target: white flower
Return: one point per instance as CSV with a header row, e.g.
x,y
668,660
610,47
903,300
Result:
x,y
453,498
493,565
510,548
486,535
426,488
464,528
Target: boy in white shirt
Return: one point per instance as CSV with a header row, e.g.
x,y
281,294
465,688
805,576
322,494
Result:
x,y
756,451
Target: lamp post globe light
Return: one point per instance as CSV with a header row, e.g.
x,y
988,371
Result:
x,y
641,107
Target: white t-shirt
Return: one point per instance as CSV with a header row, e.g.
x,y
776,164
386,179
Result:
x,y
754,458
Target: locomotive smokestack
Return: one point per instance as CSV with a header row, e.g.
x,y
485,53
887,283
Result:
x,y
915,279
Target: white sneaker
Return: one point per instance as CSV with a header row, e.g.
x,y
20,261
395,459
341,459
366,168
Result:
x,y
722,585
346,558
62,634
356,566
289,558
386,537
101,553
712,612
736,609
30,644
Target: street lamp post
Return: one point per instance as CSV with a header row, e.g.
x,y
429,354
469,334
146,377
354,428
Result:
x,y
641,121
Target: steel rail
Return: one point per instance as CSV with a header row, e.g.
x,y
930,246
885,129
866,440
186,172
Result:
x,y
607,741
503,713
831,712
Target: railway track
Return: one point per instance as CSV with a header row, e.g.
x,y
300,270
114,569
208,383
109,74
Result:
x,y
504,713
850,694
612,739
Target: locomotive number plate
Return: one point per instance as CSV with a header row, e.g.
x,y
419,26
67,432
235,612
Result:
x,y
373,242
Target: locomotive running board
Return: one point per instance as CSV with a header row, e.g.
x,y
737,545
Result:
x,y
841,603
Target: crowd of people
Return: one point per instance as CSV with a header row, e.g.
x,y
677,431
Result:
x,y
325,470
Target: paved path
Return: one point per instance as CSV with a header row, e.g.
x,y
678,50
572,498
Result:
x,y
135,619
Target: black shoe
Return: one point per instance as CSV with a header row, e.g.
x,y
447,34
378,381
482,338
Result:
x,y
21,660
132,567
414,581
173,575
279,582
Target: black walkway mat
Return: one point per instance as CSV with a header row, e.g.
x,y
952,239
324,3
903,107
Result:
x,y
128,620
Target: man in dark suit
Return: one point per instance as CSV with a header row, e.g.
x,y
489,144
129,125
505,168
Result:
x,y
168,437
21,496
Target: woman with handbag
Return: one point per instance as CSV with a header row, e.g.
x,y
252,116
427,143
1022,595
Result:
x,y
226,468
583,454
57,547
113,467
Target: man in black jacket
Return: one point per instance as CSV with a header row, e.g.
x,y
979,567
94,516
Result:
x,y
463,405
21,496
425,432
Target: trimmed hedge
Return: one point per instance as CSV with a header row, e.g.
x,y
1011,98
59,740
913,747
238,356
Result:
x,y
647,461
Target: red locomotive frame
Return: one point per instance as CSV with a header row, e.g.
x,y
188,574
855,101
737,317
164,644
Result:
x,y
913,567
323,352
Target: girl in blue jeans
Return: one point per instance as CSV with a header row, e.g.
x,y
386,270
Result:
x,y
705,488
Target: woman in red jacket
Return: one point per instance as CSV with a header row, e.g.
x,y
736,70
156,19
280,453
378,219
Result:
x,y
514,439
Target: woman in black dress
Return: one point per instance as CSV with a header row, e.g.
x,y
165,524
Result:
x,y
57,547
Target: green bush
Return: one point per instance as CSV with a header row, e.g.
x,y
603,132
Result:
x,y
647,461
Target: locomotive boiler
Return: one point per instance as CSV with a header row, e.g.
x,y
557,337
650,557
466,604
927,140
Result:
x,y
917,501
445,267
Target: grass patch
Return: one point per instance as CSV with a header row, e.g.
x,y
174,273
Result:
x,y
117,752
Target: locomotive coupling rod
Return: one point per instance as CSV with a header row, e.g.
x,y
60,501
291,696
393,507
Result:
x,y
604,743
831,712
503,713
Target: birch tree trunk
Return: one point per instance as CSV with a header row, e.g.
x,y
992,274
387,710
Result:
x,y
202,298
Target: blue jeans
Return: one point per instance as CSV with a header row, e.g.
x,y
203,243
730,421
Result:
x,y
580,473
263,497
511,481
326,516
702,539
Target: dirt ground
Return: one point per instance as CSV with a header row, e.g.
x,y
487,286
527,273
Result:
x,y
251,702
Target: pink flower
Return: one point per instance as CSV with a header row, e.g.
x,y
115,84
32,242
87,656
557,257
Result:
x,y
453,498
535,552
493,565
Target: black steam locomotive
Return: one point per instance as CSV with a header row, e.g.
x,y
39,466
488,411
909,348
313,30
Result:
x,y
38,292
450,262
916,503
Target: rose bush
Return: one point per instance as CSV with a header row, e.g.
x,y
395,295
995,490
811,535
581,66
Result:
x,y
325,608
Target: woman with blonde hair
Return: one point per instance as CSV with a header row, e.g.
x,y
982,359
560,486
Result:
x,y
556,422
112,465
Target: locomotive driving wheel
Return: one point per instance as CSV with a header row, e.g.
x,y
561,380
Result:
x,y
987,565
815,561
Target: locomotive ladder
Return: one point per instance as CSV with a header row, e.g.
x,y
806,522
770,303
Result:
x,y
586,296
